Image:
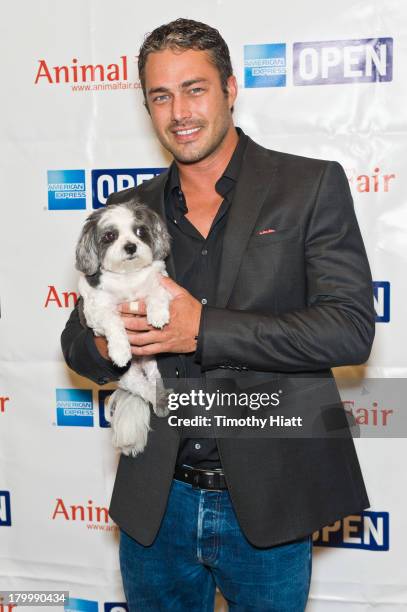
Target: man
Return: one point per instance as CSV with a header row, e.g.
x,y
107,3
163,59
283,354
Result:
x,y
270,282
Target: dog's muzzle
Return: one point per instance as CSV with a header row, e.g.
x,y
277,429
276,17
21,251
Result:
x,y
130,248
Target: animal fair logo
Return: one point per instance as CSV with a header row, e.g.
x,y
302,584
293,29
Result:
x,y
373,413
6,607
83,77
96,518
375,181
3,403
60,299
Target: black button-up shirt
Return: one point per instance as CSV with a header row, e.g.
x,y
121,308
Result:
x,y
197,262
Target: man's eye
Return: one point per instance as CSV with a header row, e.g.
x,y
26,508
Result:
x,y
109,237
196,90
141,232
160,99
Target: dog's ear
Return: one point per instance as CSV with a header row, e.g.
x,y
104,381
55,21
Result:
x,y
160,236
87,260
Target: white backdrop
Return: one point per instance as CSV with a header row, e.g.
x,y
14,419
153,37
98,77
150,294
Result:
x,y
340,95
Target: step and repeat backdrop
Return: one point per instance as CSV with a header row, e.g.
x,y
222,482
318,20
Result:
x,y
320,79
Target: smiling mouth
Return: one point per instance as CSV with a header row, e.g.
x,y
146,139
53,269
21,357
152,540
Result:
x,y
187,132
185,135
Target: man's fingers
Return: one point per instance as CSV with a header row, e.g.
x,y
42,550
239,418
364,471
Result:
x,y
132,323
149,349
144,338
137,307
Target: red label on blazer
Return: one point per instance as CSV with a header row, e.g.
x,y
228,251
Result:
x,y
266,231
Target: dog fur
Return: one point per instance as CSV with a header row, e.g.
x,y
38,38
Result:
x,y
120,254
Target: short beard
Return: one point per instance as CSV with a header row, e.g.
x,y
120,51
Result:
x,y
200,155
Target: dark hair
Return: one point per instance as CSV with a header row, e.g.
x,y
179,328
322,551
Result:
x,y
187,34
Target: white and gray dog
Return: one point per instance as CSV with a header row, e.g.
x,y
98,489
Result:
x,y
120,254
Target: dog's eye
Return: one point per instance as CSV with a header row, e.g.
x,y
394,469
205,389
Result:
x,y
109,237
141,232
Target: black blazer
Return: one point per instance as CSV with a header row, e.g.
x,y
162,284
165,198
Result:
x,y
291,304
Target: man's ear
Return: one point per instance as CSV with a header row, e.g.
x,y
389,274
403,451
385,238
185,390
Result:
x,y
146,106
232,88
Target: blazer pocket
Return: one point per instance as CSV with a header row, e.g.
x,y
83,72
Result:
x,y
259,240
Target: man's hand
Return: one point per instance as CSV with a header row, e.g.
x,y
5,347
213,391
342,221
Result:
x,y
101,345
178,336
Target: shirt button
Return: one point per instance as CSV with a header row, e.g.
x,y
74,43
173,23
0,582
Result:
x,y
177,372
197,446
204,301
204,251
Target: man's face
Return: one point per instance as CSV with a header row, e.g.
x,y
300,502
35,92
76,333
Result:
x,y
189,110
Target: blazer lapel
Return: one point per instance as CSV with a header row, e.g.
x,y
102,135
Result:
x,y
152,194
254,184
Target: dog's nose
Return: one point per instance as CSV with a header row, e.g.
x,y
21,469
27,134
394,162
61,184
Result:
x,y
130,248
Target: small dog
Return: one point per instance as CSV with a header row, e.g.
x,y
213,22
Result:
x,y
120,254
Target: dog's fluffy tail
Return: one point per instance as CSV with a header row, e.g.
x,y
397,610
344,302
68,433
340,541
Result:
x,y
130,421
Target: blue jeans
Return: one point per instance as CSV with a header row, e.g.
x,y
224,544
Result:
x,y
200,546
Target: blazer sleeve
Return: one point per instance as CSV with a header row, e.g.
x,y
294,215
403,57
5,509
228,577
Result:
x,y
337,325
81,354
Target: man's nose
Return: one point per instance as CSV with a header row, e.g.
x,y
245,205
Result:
x,y
180,108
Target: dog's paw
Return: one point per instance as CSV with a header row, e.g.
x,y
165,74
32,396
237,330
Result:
x,y
158,317
131,451
119,352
